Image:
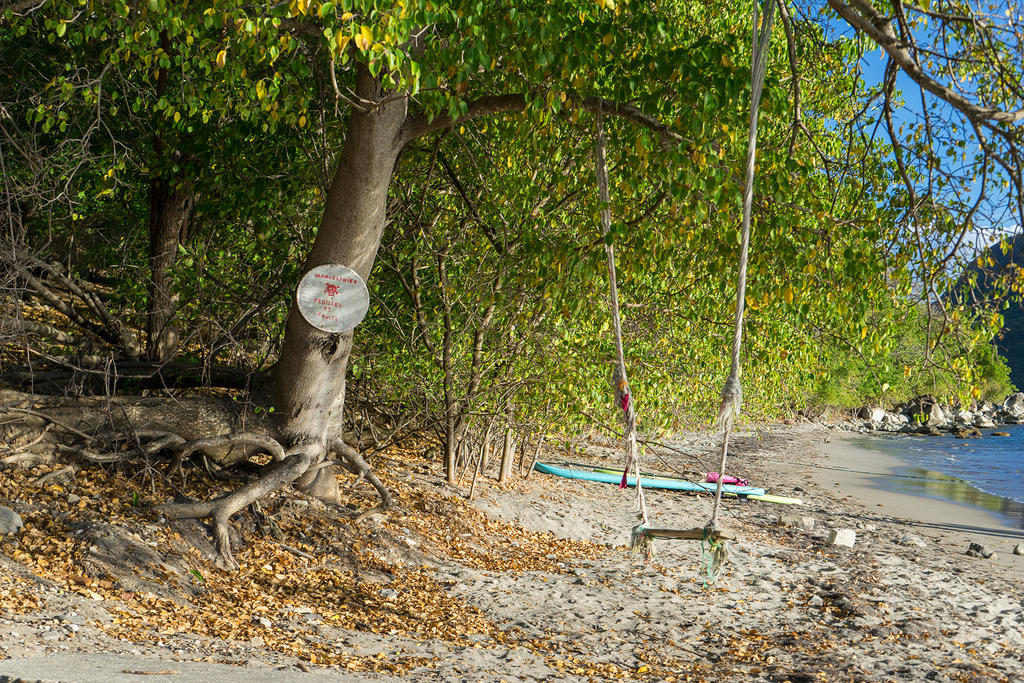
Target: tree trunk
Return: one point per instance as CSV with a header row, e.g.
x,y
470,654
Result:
x,y
170,210
507,453
310,375
450,453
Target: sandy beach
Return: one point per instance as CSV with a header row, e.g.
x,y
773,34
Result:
x,y
952,525
904,603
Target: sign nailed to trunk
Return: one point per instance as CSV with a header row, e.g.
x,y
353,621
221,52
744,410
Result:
x,y
333,298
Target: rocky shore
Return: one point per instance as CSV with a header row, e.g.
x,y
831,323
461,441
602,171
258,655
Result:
x,y
926,416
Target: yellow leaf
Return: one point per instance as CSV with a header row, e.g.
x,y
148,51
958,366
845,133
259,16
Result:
x,y
346,16
365,38
608,39
341,40
787,295
302,122
177,116
261,89
222,58
863,332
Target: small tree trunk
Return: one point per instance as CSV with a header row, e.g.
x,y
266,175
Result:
x,y
451,454
507,457
536,454
310,375
479,466
485,452
524,446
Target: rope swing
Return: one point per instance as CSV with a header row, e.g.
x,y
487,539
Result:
x,y
732,392
712,538
620,382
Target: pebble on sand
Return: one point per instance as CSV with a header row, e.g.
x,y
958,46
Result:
x,y
843,537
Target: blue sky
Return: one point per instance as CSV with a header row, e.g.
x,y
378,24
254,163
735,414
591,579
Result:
x,y
994,221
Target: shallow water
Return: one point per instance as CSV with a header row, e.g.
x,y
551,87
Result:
x,y
987,473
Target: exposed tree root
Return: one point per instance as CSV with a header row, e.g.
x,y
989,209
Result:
x,y
97,458
221,510
286,468
23,448
63,474
51,420
128,434
361,468
161,443
29,459
263,443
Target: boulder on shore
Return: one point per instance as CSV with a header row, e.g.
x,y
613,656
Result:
x,y
934,416
963,417
983,421
871,413
925,410
1014,404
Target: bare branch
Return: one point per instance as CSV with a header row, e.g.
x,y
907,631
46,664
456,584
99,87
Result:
x,y
865,18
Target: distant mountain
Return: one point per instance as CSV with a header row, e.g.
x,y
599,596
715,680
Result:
x,y
1011,341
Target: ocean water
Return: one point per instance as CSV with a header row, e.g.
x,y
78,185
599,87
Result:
x,y
986,473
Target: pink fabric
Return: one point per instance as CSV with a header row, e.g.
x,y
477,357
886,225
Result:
x,y
712,478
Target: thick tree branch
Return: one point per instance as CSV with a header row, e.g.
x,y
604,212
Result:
x,y
861,15
418,126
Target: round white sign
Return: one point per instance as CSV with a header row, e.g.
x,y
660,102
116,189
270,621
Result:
x,y
333,298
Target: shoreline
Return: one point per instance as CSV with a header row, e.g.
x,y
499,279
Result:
x,y
918,480
859,471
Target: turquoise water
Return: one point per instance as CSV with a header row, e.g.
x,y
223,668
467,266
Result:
x,y
986,473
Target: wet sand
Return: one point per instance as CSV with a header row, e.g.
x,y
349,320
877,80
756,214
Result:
x,y
869,477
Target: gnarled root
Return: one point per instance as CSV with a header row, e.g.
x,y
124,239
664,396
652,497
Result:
x,y
220,511
358,464
263,443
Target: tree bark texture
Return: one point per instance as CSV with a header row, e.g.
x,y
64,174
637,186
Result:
x,y
170,211
310,374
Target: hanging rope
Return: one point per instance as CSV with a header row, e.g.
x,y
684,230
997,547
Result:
x,y
732,392
620,382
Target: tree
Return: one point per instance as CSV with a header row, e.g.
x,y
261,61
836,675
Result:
x,y
672,76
